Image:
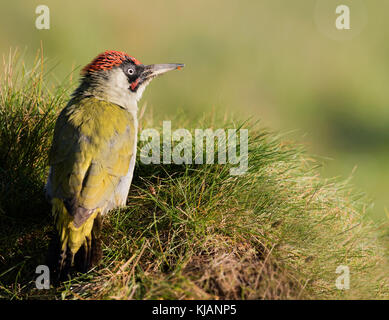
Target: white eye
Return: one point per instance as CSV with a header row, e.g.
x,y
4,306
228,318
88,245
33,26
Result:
x,y
130,71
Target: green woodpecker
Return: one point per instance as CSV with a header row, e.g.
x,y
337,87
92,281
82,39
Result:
x,y
92,157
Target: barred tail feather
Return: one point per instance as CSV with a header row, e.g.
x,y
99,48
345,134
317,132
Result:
x,y
71,246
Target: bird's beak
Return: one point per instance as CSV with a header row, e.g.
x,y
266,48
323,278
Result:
x,y
153,70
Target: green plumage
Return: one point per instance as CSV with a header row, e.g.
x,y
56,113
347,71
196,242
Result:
x,y
92,148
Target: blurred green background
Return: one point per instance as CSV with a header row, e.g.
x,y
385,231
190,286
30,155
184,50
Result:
x,y
266,58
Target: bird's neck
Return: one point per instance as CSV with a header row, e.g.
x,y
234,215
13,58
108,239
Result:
x,y
113,88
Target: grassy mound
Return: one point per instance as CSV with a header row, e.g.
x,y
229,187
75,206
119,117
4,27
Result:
x,y
188,232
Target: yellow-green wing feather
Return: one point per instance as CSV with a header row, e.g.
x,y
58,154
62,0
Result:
x,y
92,148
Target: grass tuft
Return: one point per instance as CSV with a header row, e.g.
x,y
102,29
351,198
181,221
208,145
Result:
x,y
188,231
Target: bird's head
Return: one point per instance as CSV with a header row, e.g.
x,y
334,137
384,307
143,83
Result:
x,y
119,78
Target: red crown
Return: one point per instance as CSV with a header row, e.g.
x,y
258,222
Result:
x,y
108,60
